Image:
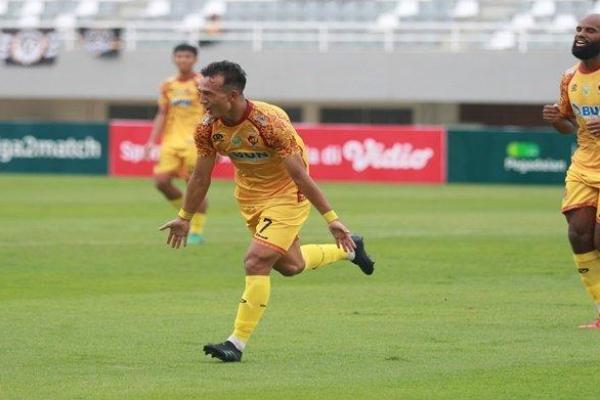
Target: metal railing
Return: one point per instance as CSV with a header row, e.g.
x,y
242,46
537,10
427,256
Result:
x,y
451,37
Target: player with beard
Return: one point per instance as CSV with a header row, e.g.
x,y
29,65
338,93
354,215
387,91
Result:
x,y
578,110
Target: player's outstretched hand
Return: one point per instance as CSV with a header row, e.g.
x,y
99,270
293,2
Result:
x,y
342,236
593,126
178,231
551,113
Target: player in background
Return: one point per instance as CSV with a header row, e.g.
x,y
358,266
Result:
x,y
179,112
274,192
578,111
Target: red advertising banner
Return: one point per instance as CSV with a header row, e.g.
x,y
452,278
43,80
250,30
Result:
x,y
361,153
376,153
126,142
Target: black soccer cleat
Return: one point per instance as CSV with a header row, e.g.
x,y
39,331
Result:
x,y
226,351
361,258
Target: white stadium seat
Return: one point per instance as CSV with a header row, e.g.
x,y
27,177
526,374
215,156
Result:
x,y
87,8
466,9
157,8
407,8
543,8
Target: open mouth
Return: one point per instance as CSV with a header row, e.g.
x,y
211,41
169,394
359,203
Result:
x,y
581,43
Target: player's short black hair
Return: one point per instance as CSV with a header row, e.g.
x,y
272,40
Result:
x,y
185,47
234,76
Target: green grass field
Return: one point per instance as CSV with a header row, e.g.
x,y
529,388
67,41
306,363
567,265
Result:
x,y
475,296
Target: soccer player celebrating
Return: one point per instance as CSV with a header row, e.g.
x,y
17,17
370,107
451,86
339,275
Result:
x,y
274,192
577,110
179,112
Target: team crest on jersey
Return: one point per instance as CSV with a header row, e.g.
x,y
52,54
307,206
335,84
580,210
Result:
x,y
253,139
261,119
217,137
236,141
586,90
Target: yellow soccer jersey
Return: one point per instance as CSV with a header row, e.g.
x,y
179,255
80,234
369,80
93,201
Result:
x,y
256,145
580,100
184,111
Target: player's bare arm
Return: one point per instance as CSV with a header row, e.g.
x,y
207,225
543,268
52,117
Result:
x,y
196,192
158,124
551,114
297,170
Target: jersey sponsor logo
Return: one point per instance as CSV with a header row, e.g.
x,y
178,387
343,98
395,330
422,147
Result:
x,y
181,102
249,155
586,111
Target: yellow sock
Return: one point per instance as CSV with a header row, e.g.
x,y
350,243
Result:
x,y
252,306
319,255
588,265
177,203
197,223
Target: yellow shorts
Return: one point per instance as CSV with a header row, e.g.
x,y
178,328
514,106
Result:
x,y
582,189
276,225
176,160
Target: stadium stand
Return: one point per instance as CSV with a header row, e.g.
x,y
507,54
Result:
x,y
451,25
411,58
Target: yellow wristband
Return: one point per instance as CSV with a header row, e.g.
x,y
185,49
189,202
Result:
x,y
185,215
330,216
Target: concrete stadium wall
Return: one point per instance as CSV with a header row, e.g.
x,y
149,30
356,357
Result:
x,y
53,110
305,77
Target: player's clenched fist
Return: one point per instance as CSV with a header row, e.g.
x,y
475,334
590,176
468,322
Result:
x,y
551,114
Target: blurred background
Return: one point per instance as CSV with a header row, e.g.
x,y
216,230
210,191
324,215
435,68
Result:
x,y
492,62
459,64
